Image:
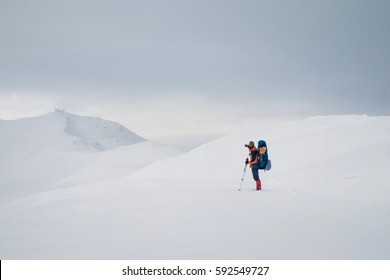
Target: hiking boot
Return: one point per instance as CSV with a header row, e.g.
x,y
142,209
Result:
x,y
258,185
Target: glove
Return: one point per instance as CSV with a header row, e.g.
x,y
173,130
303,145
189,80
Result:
x,y
246,161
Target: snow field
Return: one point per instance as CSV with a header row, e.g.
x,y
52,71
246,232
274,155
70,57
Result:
x,y
326,197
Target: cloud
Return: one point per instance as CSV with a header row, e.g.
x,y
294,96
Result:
x,y
272,57
15,106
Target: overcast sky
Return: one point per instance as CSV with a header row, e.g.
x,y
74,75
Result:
x,y
210,66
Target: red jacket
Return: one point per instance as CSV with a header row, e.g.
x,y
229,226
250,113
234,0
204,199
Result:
x,y
253,156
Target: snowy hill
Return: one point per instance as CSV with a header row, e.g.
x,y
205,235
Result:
x,y
334,155
62,131
37,152
326,197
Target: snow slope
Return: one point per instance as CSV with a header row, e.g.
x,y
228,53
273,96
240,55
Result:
x,y
326,197
37,152
339,156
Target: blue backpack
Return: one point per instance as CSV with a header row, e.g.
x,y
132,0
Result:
x,y
264,161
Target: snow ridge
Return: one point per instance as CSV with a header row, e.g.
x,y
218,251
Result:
x,y
37,152
97,134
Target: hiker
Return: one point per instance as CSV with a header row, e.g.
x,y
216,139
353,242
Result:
x,y
253,163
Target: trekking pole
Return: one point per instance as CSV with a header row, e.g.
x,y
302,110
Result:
x,y
242,178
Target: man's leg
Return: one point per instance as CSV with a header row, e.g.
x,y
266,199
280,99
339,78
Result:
x,y
255,173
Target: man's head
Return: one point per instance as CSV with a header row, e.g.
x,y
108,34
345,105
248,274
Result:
x,y
250,145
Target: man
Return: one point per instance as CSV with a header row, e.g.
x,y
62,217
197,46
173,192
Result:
x,y
253,163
